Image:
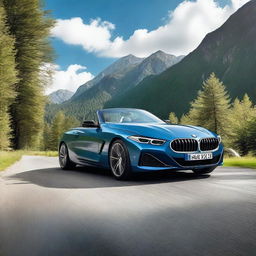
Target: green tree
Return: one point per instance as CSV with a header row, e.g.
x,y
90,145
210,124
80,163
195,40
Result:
x,y
185,119
45,138
8,78
211,107
251,138
60,124
56,130
173,118
30,25
70,122
241,114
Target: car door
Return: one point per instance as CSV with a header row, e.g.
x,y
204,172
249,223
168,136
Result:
x,y
88,144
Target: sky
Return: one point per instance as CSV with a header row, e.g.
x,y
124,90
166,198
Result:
x,y
89,35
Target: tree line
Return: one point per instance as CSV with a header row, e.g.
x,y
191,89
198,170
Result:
x,y
24,49
234,121
54,130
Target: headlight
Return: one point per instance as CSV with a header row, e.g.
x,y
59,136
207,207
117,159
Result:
x,y
146,140
219,138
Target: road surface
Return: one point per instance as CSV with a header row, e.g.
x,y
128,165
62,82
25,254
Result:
x,y
48,211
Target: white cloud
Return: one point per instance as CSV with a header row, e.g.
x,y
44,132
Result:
x,y
94,36
69,79
187,25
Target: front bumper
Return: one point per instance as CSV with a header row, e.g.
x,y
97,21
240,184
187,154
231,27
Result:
x,y
164,158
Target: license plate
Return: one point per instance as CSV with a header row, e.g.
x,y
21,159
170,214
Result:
x,y
202,156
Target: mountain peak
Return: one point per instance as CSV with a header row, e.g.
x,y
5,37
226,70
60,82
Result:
x,y
117,69
160,52
130,58
162,55
60,96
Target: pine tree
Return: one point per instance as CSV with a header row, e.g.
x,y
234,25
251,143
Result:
x,y
211,108
57,129
251,138
8,78
30,25
185,120
45,142
70,122
241,114
173,118
60,124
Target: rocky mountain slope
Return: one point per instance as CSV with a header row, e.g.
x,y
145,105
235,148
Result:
x,y
121,76
60,96
228,51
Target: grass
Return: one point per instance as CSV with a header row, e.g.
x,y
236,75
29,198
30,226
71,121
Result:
x,y
247,162
8,158
40,153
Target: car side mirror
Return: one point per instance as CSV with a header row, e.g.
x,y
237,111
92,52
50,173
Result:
x,y
90,123
167,121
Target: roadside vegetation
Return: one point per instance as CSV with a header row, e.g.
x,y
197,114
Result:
x,y
7,158
234,121
246,162
24,51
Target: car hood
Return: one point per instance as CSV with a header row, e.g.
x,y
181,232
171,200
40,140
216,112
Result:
x,y
163,131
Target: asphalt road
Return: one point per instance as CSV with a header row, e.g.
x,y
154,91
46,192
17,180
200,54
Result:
x,y
47,211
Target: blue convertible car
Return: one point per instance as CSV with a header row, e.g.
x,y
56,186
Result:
x,y
133,140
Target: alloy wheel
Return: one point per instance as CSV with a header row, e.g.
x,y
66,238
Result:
x,y
117,159
63,155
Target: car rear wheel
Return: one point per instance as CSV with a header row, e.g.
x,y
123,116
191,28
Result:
x,y
64,160
204,170
119,160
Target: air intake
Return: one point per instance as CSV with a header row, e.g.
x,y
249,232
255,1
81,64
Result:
x,y
150,160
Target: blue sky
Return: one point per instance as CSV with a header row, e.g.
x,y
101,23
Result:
x,y
105,30
127,15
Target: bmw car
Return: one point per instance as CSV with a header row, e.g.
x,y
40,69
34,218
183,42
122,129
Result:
x,y
128,140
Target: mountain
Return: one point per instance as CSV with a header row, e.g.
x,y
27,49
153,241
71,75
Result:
x,y
228,51
60,96
118,69
154,64
122,75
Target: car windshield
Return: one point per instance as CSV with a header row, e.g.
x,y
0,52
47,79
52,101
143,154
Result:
x,y
129,116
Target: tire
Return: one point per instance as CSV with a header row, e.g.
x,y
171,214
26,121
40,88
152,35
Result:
x,y
64,160
119,160
204,170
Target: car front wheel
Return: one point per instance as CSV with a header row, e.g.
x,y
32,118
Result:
x,y
119,160
64,160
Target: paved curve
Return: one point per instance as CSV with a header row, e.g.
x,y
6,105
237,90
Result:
x,y
47,211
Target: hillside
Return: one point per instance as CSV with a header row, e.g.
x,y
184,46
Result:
x,y
228,51
122,77
119,68
60,96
